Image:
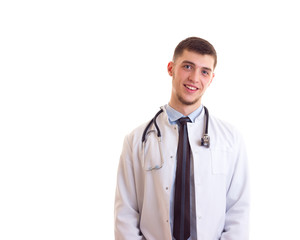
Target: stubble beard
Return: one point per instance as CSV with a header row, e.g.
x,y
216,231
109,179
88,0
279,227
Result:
x,y
185,102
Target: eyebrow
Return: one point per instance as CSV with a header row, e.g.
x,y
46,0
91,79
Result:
x,y
191,63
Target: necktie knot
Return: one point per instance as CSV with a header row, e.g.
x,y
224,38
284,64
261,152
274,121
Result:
x,y
184,120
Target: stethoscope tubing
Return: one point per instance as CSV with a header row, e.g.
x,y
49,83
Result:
x,y
153,120
205,140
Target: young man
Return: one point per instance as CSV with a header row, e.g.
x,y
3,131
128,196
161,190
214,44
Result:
x,y
175,183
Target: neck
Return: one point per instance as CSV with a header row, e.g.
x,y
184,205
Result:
x,y
185,109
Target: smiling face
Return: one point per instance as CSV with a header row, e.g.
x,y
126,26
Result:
x,y
192,73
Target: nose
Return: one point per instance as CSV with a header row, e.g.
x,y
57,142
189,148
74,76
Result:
x,y
195,76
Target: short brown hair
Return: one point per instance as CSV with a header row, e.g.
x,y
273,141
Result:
x,y
197,45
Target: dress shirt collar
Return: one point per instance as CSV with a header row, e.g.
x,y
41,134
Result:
x,y
174,115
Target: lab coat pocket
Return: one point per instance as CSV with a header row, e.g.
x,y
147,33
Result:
x,y
220,160
152,156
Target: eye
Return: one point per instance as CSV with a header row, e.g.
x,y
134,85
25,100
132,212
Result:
x,y
188,67
206,73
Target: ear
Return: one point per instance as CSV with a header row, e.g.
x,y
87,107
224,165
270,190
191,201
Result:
x,y
211,79
170,68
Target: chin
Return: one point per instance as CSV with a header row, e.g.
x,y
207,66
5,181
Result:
x,y
188,102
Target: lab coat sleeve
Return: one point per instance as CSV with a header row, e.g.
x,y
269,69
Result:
x,y
237,202
127,215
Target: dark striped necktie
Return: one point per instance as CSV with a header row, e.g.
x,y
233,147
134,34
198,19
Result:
x,y
181,226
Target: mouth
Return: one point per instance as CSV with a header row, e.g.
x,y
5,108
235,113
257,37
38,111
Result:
x,y
191,88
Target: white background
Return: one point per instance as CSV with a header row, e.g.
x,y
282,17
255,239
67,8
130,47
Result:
x,y
76,76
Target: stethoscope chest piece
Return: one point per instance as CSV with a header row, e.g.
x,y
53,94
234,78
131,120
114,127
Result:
x,y
205,141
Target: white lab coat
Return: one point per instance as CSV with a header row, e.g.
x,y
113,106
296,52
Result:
x,y
142,201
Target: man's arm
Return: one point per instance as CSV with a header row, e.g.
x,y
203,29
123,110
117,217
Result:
x,y
237,204
127,215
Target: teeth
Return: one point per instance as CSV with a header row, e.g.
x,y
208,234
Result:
x,y
191,88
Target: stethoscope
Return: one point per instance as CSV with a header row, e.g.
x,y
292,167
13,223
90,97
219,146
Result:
x,y
205,140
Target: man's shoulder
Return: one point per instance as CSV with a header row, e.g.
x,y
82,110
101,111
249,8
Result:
x,y
139,129
224,131
136,134
221,123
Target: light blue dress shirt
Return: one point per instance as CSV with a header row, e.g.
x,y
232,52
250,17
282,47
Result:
x,y
173,116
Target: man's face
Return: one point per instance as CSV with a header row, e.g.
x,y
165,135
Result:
x,y
192,73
